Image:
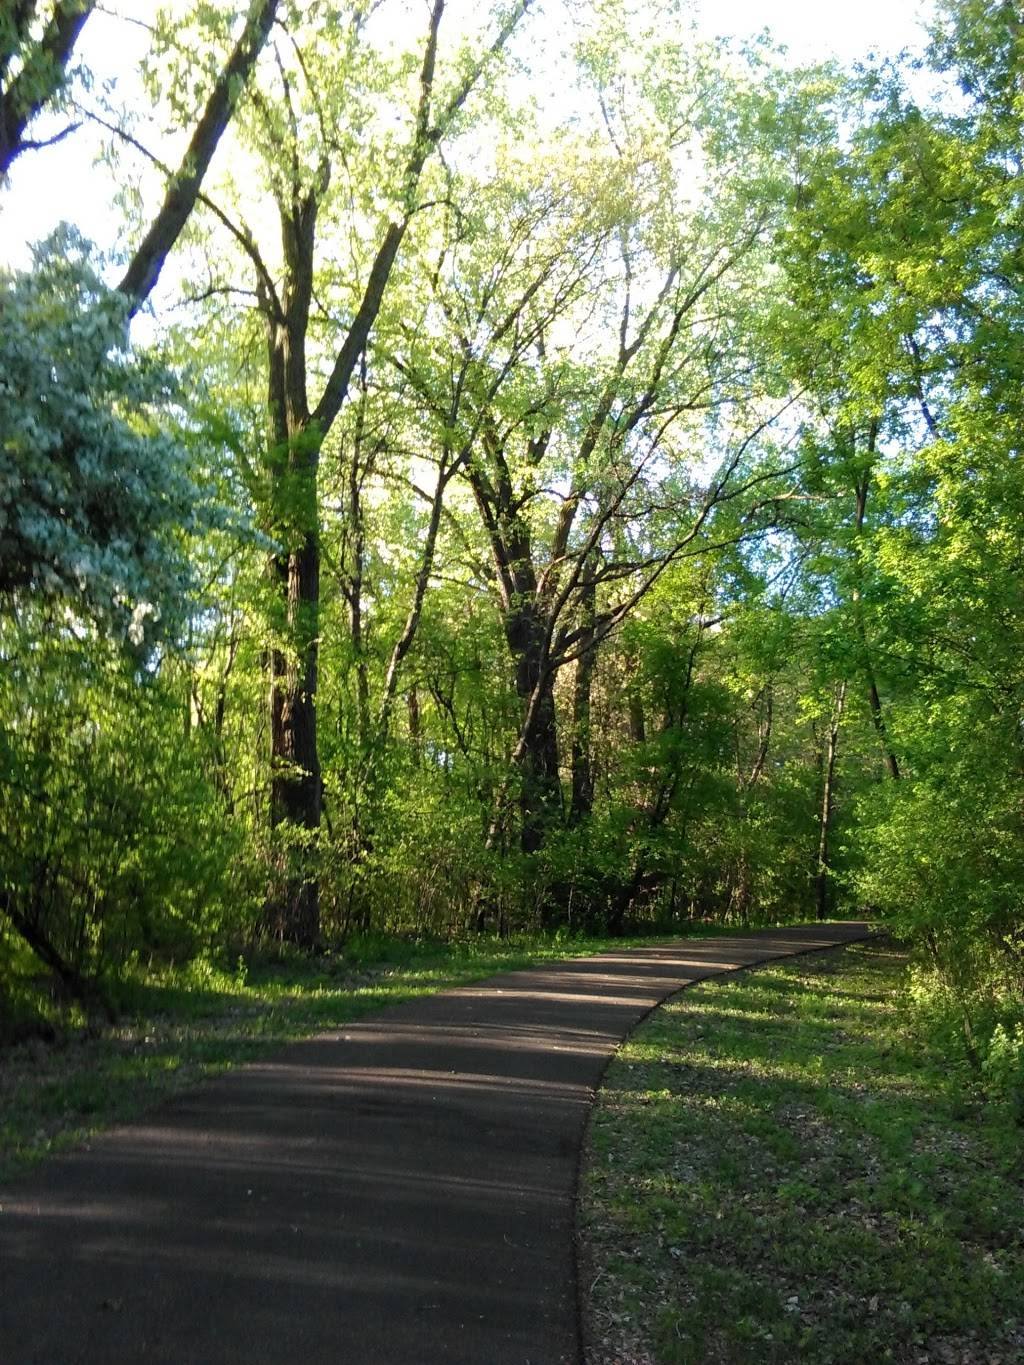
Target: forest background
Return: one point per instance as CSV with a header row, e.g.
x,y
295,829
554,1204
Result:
x,y
514,472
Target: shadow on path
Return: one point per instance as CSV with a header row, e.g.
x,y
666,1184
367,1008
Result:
x,y
397,1192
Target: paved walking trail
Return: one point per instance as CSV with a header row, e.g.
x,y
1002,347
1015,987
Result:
x,y
400,1192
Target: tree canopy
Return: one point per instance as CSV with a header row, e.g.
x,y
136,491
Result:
x,y
516,470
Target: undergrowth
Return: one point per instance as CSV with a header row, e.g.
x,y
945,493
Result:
x,y
779,1169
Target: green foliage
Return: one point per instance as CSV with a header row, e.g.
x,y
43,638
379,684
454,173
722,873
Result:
x,y
719,385
116,842
95,492
1003,1066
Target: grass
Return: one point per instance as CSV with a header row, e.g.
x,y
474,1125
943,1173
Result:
x,y
778,1171
177,1026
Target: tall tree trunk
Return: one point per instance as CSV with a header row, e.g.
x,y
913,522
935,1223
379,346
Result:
x,y
296,440
582,759
540,790
354,593
823,874
541,796
295,803
293,909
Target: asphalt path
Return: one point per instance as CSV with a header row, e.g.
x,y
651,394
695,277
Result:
x,y
399,1192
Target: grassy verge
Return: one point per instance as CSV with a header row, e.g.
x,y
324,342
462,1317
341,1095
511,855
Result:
x,y
178,1026
777,1172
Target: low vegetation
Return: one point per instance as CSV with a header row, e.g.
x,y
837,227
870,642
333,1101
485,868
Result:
x,y
779,1170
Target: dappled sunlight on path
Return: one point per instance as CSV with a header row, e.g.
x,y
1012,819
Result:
x,y
400,1190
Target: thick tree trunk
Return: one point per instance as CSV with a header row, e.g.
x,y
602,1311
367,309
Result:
x,y
293,906
541,790
356,638
540,799
297,436
294,913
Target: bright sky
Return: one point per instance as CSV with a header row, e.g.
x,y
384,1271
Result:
x,y
816,29
60,182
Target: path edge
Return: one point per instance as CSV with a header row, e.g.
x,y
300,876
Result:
x,y
870,932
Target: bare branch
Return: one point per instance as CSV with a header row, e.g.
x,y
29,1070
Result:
x,y
183,190
35,146
40,78
240,233
426,137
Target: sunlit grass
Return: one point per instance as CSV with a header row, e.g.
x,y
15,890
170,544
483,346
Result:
x,y
779,1171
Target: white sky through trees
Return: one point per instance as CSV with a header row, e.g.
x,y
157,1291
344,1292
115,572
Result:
x,y
63,183
813,30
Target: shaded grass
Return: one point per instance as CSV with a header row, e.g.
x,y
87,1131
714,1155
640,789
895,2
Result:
x,y
778,1171
177,1025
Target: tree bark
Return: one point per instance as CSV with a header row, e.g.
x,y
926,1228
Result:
x,y
293,912
356,536
525,610
582,757
296,784
540,792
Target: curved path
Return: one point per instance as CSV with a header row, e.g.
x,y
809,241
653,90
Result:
x,y
400,1192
